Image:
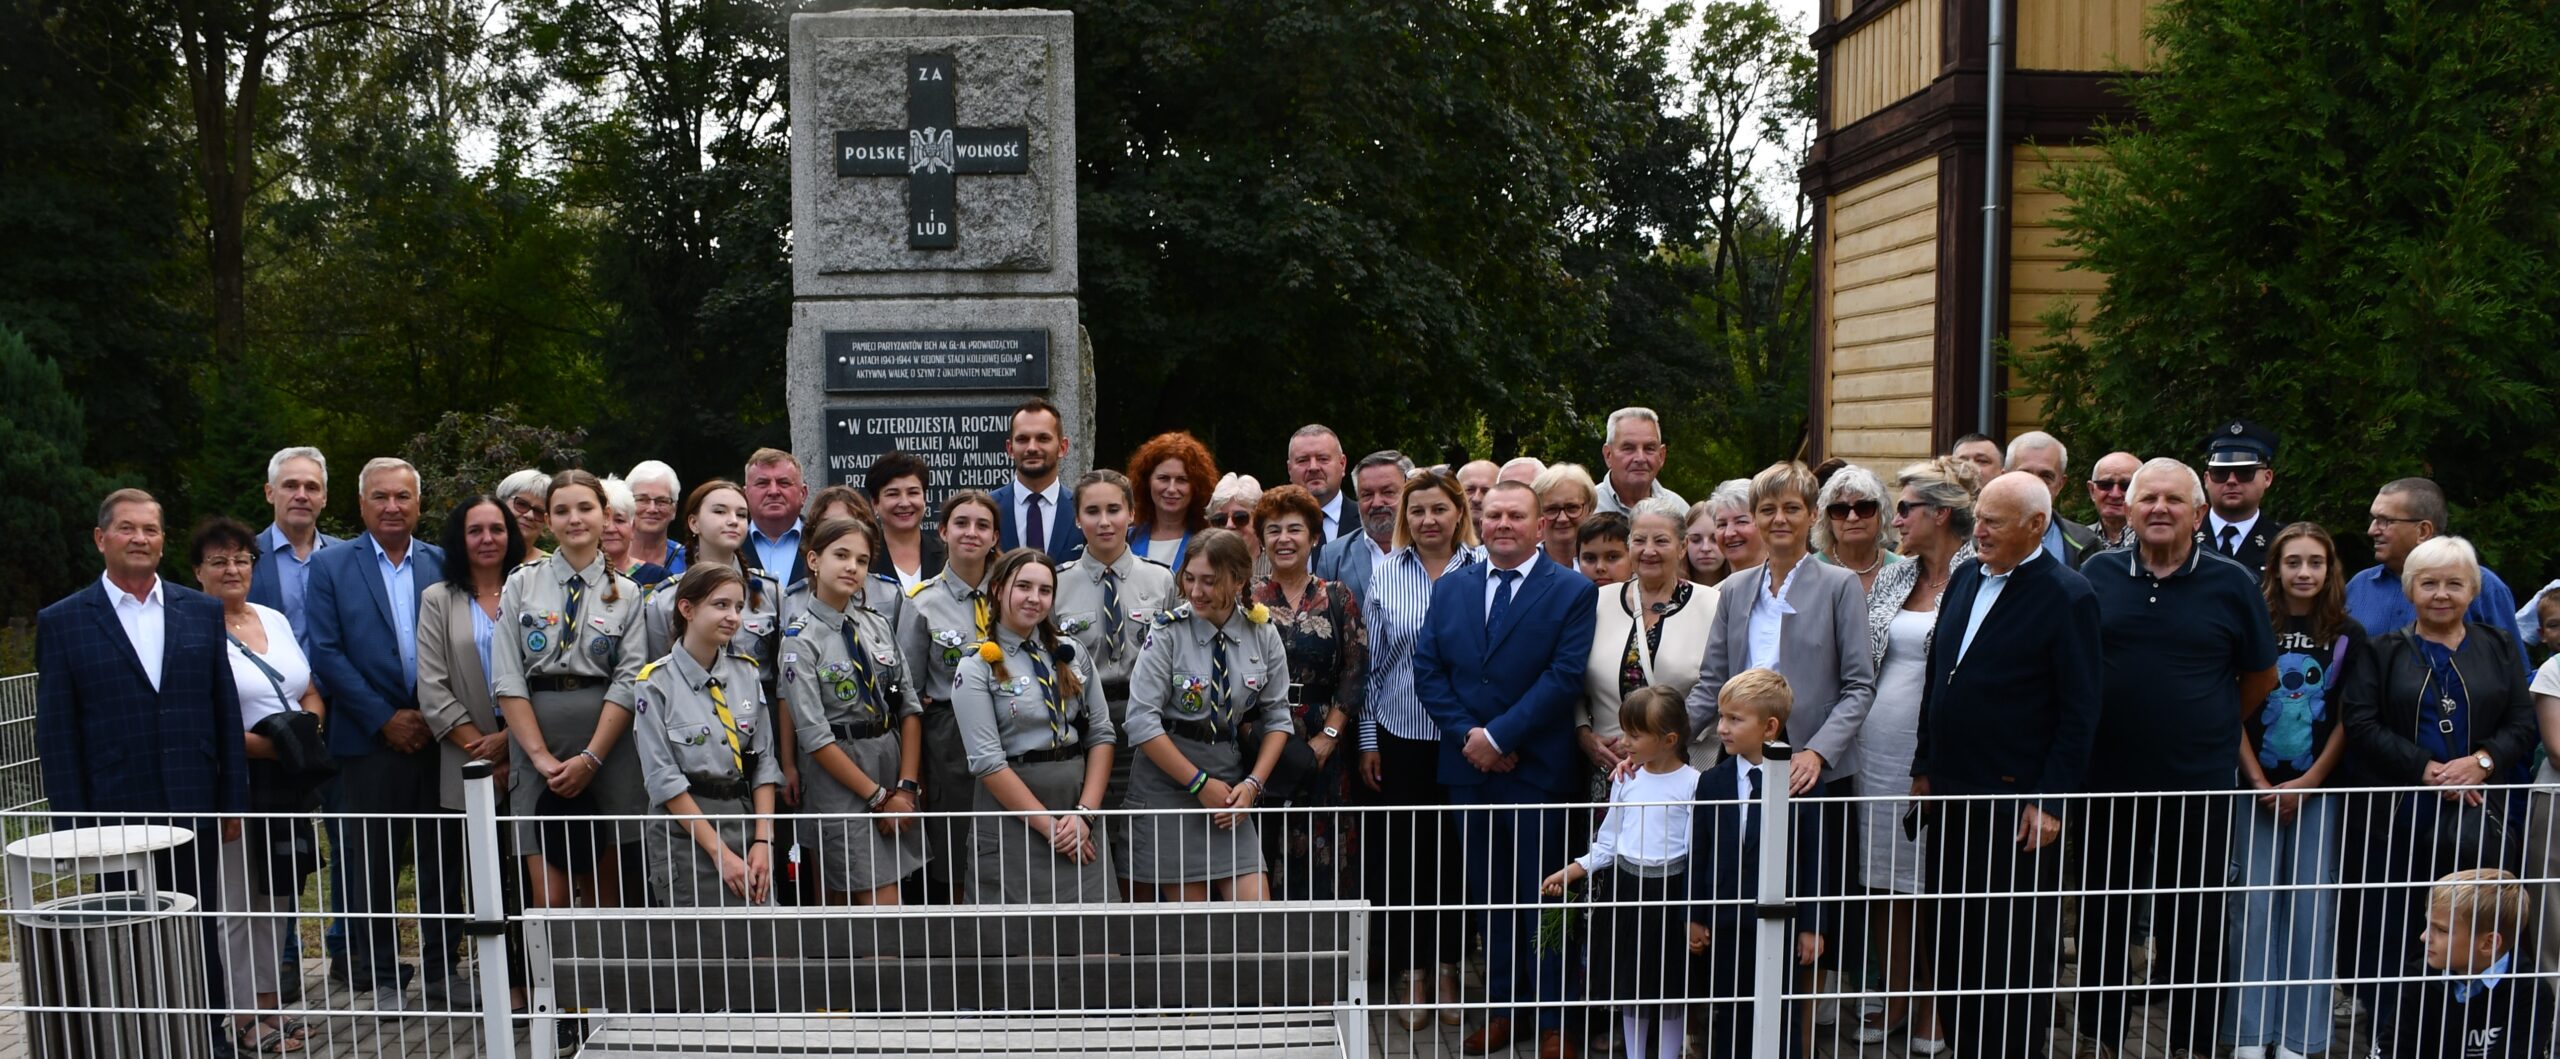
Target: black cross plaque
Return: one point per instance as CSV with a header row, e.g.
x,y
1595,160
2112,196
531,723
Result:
x,y
930,153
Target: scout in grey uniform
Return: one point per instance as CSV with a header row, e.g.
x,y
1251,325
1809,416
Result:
x,y
943,620
848,690
1020,723
1194,686
1107,608
566,647
881,594
756,634
705,735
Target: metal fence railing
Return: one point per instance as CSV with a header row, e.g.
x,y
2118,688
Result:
x,y
2144,923
21,782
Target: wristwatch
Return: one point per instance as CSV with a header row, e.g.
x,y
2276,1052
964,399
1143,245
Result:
x,y
2487,763
910,786
1331,732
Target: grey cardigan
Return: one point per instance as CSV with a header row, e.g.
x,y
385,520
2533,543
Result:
x,y
452,688
1819,652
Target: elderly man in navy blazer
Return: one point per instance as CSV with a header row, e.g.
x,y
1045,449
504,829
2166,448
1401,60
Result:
x,y
363,610
1499,665
2010,707
1035,509
135,709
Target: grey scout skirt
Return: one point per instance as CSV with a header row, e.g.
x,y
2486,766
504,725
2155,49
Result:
x,y
852,855
1175,847
1015,864
568,720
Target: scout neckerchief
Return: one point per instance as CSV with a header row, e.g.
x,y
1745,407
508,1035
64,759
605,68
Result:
x,y
1111,616
1049,697
577,592
729,724
863,680
1221,711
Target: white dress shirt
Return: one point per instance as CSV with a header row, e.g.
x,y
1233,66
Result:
x,y
146,623
1653,836
1022,511
1493,580
1769,612
2241,528
1333,524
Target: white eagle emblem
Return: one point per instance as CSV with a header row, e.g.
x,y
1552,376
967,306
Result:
x,y
928,150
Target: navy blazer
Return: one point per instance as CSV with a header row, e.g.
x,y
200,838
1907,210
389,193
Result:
x,y
1724,859
266,586
2019,714
107,742
1346,560
1519,681
353,651
1065,539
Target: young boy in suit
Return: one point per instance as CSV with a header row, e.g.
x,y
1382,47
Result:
x,y
2479,1008
1724,859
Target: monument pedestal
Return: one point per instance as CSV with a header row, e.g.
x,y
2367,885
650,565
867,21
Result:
x,y
934,247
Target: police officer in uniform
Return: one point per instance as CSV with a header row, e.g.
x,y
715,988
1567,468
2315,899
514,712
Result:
x,y
861,726
2239,466
946,616
1039,742
706,755
562,668
1209,669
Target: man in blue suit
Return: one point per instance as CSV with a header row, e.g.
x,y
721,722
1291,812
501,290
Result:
x,y
297,488
363,608
1035,510
135,709
1378,486
1499,665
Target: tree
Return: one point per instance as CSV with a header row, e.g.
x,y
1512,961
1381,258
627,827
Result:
x,y
470,452
2336,220
92,222
53,495
1350,211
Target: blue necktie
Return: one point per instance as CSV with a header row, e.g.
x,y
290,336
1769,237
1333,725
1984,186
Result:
x,y
1035,528
861,662
1501,597
1111,617
1221,709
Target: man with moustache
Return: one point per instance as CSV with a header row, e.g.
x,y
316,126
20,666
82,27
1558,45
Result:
x,y
1346,560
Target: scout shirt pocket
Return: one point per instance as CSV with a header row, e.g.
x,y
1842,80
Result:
x,y
1020,699
1079,623
948,647
1188,697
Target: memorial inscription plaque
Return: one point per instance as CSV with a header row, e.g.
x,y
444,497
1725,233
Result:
x,y
876,361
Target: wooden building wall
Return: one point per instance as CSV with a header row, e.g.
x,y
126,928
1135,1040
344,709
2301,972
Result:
x,y
1879,310
1896,175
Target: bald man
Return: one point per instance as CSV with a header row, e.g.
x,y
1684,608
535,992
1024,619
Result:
x,y
2110,486
2009,709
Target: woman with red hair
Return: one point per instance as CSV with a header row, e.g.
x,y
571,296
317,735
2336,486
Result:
x,y
1174,474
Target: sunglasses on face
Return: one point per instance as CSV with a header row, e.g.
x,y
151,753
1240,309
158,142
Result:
x,y
1232,520
2221,475
2111,485
1906,507
1860,508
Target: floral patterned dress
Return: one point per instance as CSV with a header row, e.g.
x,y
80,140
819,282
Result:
x,y
1329,664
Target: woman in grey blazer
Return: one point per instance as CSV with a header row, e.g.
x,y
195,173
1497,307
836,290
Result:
x,y
457,622
1808,621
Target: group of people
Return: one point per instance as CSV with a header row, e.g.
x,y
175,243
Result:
x,y
750,692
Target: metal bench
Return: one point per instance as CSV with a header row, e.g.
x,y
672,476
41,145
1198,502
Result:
x,y
1272,979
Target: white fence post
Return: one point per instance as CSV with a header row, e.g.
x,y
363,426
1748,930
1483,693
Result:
x,y
1775,953
488,926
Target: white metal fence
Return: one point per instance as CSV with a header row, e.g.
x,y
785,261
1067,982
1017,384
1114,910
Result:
x,y
2147,923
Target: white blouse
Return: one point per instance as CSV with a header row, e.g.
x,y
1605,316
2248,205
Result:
x,y
1648,835
258,695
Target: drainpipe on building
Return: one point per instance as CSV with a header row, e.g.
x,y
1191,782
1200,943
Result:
x,y
1995,233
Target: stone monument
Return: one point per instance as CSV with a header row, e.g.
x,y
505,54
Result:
x,y
933,227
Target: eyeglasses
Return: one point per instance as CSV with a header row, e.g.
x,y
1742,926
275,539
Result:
x,y
1905,508
645,500
2386,520
2111,485
2232,474
1232,519
1564,510
1860,508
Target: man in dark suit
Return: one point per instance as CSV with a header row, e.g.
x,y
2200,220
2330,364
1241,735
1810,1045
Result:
x,y
297,488
135,709
1499,666
2010,707
364,649
1036,510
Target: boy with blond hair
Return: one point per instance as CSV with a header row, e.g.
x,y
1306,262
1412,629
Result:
x,y
2479,1007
